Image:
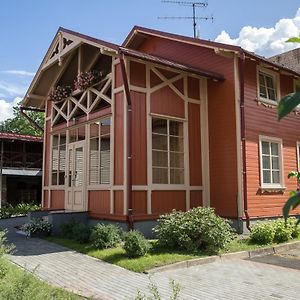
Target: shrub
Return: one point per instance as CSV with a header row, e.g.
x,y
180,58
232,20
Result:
x,y
37,226
4,246
105,236
67,229
262,233
135,244
81,233
6,211
292,221
198,228
283,231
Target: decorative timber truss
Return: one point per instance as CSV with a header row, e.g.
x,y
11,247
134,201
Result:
x,y
83,102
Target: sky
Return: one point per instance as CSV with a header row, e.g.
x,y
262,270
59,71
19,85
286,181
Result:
x,y
27,28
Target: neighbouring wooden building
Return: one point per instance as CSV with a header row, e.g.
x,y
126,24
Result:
x,y
172,123
21,158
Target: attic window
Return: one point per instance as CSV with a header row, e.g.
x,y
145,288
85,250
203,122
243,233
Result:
x,y
267,86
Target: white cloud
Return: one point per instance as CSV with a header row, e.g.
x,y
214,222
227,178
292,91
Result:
x,y
6,108
266,41
19,72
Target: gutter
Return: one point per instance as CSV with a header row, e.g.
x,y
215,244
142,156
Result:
x,y
243,135
130,220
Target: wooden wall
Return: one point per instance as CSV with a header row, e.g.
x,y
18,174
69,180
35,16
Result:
x,y
262,120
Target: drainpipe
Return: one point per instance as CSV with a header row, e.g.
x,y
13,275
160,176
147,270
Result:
x,y
243,135
129,143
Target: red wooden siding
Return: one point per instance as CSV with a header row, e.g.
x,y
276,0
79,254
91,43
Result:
x,y
119,139
139,137
118,202
57,199
195,199
165,201
47,153
261,120
139,202
137,74
166,102
99,202
193,88
118,76
195,144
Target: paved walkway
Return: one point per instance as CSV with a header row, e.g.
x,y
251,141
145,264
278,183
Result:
x,y
231,279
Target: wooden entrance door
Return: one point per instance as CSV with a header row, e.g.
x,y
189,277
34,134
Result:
x,y
75,196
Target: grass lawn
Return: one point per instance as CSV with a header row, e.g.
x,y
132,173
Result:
x,y
117,256
15,283
156,258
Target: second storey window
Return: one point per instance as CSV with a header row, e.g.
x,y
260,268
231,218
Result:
x,y
271,163
267,86
99,158
58,159
167,152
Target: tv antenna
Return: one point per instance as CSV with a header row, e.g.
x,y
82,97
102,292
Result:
x,y
192,4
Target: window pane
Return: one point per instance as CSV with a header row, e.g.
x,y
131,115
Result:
x,y
263,92
160,159
81,133
274,149
55,141
176,128
265,148
177,176
55,154
272,94
54,178
275,163
159,126
159,142
176,144
266,176
105,159
94,161
105,143
105,126
160,175
269,81
275,175
261,80
61,178
94,129
176,160
72,135
266,162
62,139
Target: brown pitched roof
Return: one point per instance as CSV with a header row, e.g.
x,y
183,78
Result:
x,y
20,137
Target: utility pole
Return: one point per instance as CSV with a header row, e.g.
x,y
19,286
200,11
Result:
x,y
194,5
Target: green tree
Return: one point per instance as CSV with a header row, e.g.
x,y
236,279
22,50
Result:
x,y
19,124
285,106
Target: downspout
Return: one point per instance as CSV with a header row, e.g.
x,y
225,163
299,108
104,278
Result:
x,y
243,135
31,121
129,143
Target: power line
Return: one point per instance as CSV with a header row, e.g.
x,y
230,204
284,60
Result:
x,y
194,5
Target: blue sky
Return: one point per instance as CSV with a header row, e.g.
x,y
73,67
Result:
x,y
27,28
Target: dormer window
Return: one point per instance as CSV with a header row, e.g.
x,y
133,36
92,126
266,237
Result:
x,y
267,86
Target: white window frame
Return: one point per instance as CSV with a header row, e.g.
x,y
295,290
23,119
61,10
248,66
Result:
x,y
276,79
174,185
272,186
298,155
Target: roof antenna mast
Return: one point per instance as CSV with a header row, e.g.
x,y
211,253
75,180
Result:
x,y
192,4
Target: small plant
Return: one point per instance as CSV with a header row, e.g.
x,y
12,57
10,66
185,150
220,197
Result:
x,y
60,93
81,233
5,248
198,228
37,226
105,236
86,79
262,233
155,295
283,231
67,229
135,244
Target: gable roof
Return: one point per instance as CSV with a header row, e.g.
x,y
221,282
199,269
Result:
x,y
138,34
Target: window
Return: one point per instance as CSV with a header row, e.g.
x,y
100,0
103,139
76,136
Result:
x,y
167,152
267,86
271,162
58,159
99,157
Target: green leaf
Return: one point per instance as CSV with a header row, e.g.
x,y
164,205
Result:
x,y
292,193
293,174
288,104
294,40
290,204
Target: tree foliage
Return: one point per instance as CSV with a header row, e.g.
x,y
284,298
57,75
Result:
x,y
285,106
19,124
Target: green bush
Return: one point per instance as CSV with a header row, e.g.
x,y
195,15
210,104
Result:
x,y
105,236
81,233
135,244
20,209
292,221
198,228
262,233
283,231
37,226
67,229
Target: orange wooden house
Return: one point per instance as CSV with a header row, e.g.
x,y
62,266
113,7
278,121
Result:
x,y
173,123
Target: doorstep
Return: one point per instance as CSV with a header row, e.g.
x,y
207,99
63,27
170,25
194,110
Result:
x,y
234,255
